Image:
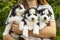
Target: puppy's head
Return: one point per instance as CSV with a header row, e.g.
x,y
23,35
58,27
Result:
x,y
45,15
17,9
31,14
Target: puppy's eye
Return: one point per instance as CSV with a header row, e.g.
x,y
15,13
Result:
x,y
20,7
29,15
42,13
48,15
35,14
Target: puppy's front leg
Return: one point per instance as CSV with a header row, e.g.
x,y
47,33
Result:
x,y
25,31
36,29
42,25
7,29
30,27
21,25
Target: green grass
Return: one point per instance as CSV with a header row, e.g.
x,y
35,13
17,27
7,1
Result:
x,y
2,29
58,34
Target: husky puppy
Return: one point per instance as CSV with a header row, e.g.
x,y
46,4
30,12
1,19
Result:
x,y
15,15
31,20
44,16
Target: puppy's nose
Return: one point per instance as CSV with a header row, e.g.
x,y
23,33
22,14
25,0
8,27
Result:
x,y
44,18
32,18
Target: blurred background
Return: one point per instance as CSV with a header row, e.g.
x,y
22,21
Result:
x,y
6,5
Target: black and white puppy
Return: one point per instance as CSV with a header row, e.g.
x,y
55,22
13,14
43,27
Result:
x,y
15,15
31,20
44,17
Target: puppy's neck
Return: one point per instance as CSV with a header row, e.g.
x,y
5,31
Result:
x,y
18,14
41,21
32,22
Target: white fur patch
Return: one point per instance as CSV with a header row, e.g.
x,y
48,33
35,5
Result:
x,y
36,29
25,31
32,11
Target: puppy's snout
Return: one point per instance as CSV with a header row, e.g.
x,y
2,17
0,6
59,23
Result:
x,y
44,18
32,18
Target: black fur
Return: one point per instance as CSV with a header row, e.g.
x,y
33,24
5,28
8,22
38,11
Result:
x,y
48,24
41,11
21,38
49,13
38,24
28,13
24,21
13,9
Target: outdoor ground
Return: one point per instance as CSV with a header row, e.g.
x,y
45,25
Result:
x,y
2,29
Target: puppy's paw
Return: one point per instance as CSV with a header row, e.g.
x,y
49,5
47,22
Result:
x,y
30,28
25,31
21,26
36,29
36,32
42,26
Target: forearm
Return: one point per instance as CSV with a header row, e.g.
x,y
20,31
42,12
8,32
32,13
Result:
x,y
47,32
8,37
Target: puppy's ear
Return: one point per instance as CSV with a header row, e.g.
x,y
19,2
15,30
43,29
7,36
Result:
x,y
16,6
13,10
36,9
26,11
39,11
13,13
50,13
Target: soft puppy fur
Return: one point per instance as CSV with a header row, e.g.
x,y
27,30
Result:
x,y
44,17
31,20
15,15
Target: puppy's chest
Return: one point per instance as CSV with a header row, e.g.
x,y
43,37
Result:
x,y
21,18
31,23
45,24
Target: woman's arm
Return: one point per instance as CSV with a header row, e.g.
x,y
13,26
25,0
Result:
x,y
8,37
47,32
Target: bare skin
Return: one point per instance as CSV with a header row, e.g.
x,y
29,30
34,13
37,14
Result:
x,y
8,37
